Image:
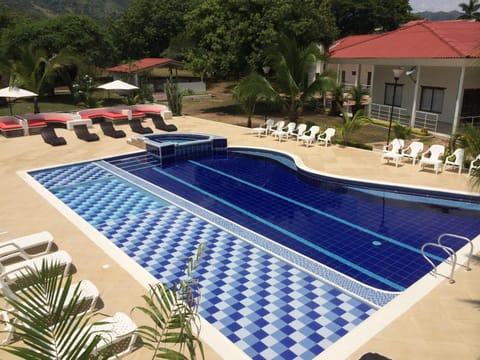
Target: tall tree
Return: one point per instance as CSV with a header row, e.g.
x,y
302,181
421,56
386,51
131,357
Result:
x,y
147,26
368,16
231,37
250,90
34,70
292,64
471,10
65,33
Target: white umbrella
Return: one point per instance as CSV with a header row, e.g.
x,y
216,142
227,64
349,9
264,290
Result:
x,y
15,93
118,85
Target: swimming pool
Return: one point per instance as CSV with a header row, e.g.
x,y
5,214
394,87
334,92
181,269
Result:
x,y
269,300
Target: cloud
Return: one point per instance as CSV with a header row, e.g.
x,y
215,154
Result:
x,y
434,5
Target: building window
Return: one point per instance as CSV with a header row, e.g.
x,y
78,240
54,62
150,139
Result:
x,y
431,99
369,78
388,100
343,76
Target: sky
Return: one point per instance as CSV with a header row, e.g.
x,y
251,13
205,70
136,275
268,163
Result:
x,y
436,5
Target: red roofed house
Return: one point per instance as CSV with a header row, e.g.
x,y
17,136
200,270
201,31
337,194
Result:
x,y
439,88
142,68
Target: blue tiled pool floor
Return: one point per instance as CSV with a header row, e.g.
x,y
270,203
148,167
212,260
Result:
x,y
267,307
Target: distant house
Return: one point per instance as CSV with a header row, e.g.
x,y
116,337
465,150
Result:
x,y
142,68
439,88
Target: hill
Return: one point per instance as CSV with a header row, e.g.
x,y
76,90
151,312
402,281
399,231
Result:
x,y
98,9
439,15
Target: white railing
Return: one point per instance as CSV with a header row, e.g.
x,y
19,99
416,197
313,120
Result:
x,y
382,112
426,120
471,120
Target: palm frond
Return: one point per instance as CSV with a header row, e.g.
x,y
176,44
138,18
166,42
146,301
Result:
x,y
45,315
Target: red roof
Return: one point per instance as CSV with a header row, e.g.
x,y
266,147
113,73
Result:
x,y
145,64
416,39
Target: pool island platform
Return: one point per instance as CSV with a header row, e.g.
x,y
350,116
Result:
x,y
443,325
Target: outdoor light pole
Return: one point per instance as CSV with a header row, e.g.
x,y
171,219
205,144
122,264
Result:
x,y
396,75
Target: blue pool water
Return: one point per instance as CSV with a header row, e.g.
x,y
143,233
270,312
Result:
x,y
269,307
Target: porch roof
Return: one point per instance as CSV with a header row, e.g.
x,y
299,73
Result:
x,y
419,39
146,64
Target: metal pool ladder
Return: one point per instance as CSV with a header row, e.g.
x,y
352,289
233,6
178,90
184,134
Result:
x,y
450,252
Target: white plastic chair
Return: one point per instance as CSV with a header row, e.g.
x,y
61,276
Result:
x,y
326,136
432,157
412,151
119,334
277,127
474,165
264,129
299,131
26,244
310,135
455,160
88,295
392,151
286,132
10,273
394,144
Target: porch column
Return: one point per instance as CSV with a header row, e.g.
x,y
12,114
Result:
x,y
415,97
371,90
339,75
458,102
357,77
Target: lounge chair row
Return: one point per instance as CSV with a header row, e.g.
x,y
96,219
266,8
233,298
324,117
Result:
x,y
29,252
281,132
23,125
50,136
432,157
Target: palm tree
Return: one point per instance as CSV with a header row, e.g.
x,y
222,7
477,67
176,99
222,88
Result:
x,y
36,71
174,314
357,95
469,137
470,10
352,123
250,90
47,320
291,65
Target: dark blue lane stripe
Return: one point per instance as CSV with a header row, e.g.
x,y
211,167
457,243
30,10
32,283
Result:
x,y
286,232
317,211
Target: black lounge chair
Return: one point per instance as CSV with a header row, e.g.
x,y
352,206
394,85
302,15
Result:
x,y
160,123
83,134
50,136
109,130
136,126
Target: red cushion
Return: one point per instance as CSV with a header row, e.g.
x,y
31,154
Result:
x,y
9,125
36,123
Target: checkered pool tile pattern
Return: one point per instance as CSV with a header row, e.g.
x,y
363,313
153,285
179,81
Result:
x,y
267,307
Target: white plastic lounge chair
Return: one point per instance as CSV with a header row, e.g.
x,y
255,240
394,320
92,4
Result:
x,y
412,151
299,131
395,143
119,335
431,157
310,136
277,127
392,151
88,295
474,165
10,273
264,129
326,136
455,160
28,245
286,132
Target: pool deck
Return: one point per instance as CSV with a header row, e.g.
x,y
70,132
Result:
x,y
445,324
